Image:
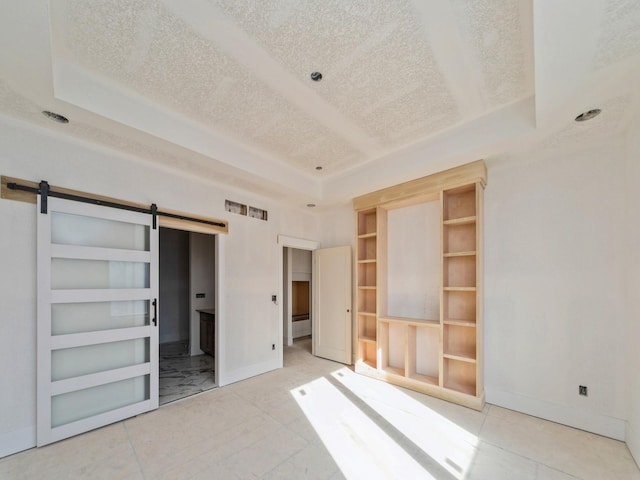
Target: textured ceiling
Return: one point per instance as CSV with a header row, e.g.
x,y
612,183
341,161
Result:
x,y
619,38
220,89
380,71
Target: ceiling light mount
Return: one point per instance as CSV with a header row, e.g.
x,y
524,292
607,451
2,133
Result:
x,y
316,76
319,167
588,115
56,117
311,205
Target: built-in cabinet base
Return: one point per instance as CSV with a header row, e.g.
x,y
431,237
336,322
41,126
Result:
x,y
476,403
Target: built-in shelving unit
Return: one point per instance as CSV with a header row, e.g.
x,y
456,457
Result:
x,y
438,356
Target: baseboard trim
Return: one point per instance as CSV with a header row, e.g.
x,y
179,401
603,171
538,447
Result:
x,y
17,441
574,417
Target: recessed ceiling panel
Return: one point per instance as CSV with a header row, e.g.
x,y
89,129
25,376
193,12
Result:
x,y
493,31
377,67
620,32
145,48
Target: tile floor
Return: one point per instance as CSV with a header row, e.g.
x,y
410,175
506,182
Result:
x,y
316,419
182,375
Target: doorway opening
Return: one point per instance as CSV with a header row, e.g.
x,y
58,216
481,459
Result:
x,y
297,315
186,314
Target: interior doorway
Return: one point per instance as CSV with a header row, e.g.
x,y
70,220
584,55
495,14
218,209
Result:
x,y
186,314
297,287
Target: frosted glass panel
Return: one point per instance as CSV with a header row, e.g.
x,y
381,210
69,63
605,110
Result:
x,y
73,362
82,274
73,406
68,229
89,317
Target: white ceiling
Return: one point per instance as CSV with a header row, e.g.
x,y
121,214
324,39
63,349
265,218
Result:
x,y
220,89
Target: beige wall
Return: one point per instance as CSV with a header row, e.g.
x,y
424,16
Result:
x,y
632,220
555,268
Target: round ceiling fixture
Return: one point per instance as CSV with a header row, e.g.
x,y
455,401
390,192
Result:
x,y
56,117
316,76
588,115
311,205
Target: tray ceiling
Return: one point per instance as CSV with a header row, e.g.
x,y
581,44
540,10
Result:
x,y
221,88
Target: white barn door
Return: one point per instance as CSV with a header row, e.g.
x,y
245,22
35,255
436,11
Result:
x,y
332,324
97,317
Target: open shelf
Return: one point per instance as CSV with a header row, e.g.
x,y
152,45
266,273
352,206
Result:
x,y
461,356
459,342
459,305
367,301
459,289
423,353
366,328
367,266
459,202
367,248
460,221
367,275
460,376
459,271
394,370
460,323
367,222
459,238
423,322
367,353
392,344
459,254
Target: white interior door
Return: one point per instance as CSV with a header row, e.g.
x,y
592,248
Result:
x,y
332,325
97,317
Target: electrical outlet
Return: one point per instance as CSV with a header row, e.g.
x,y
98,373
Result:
x,y
582,390
273,346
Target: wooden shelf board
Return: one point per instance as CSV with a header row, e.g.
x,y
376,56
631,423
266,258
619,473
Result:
x,y
367,287
460,323
460,221
370,260
424,378
368,363
421,322
366,339
459,254
459,356
459,289
394,370
367,314
461,387
367,235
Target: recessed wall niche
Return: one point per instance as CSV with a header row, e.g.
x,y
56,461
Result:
x,y
413,261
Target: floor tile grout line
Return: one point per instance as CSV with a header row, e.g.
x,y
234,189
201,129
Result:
x,y
133,448
526,457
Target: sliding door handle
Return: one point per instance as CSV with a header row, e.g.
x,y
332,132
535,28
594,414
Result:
x,y
155,311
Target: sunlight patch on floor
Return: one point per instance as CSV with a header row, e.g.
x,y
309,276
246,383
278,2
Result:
x,y
445,442
360,448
